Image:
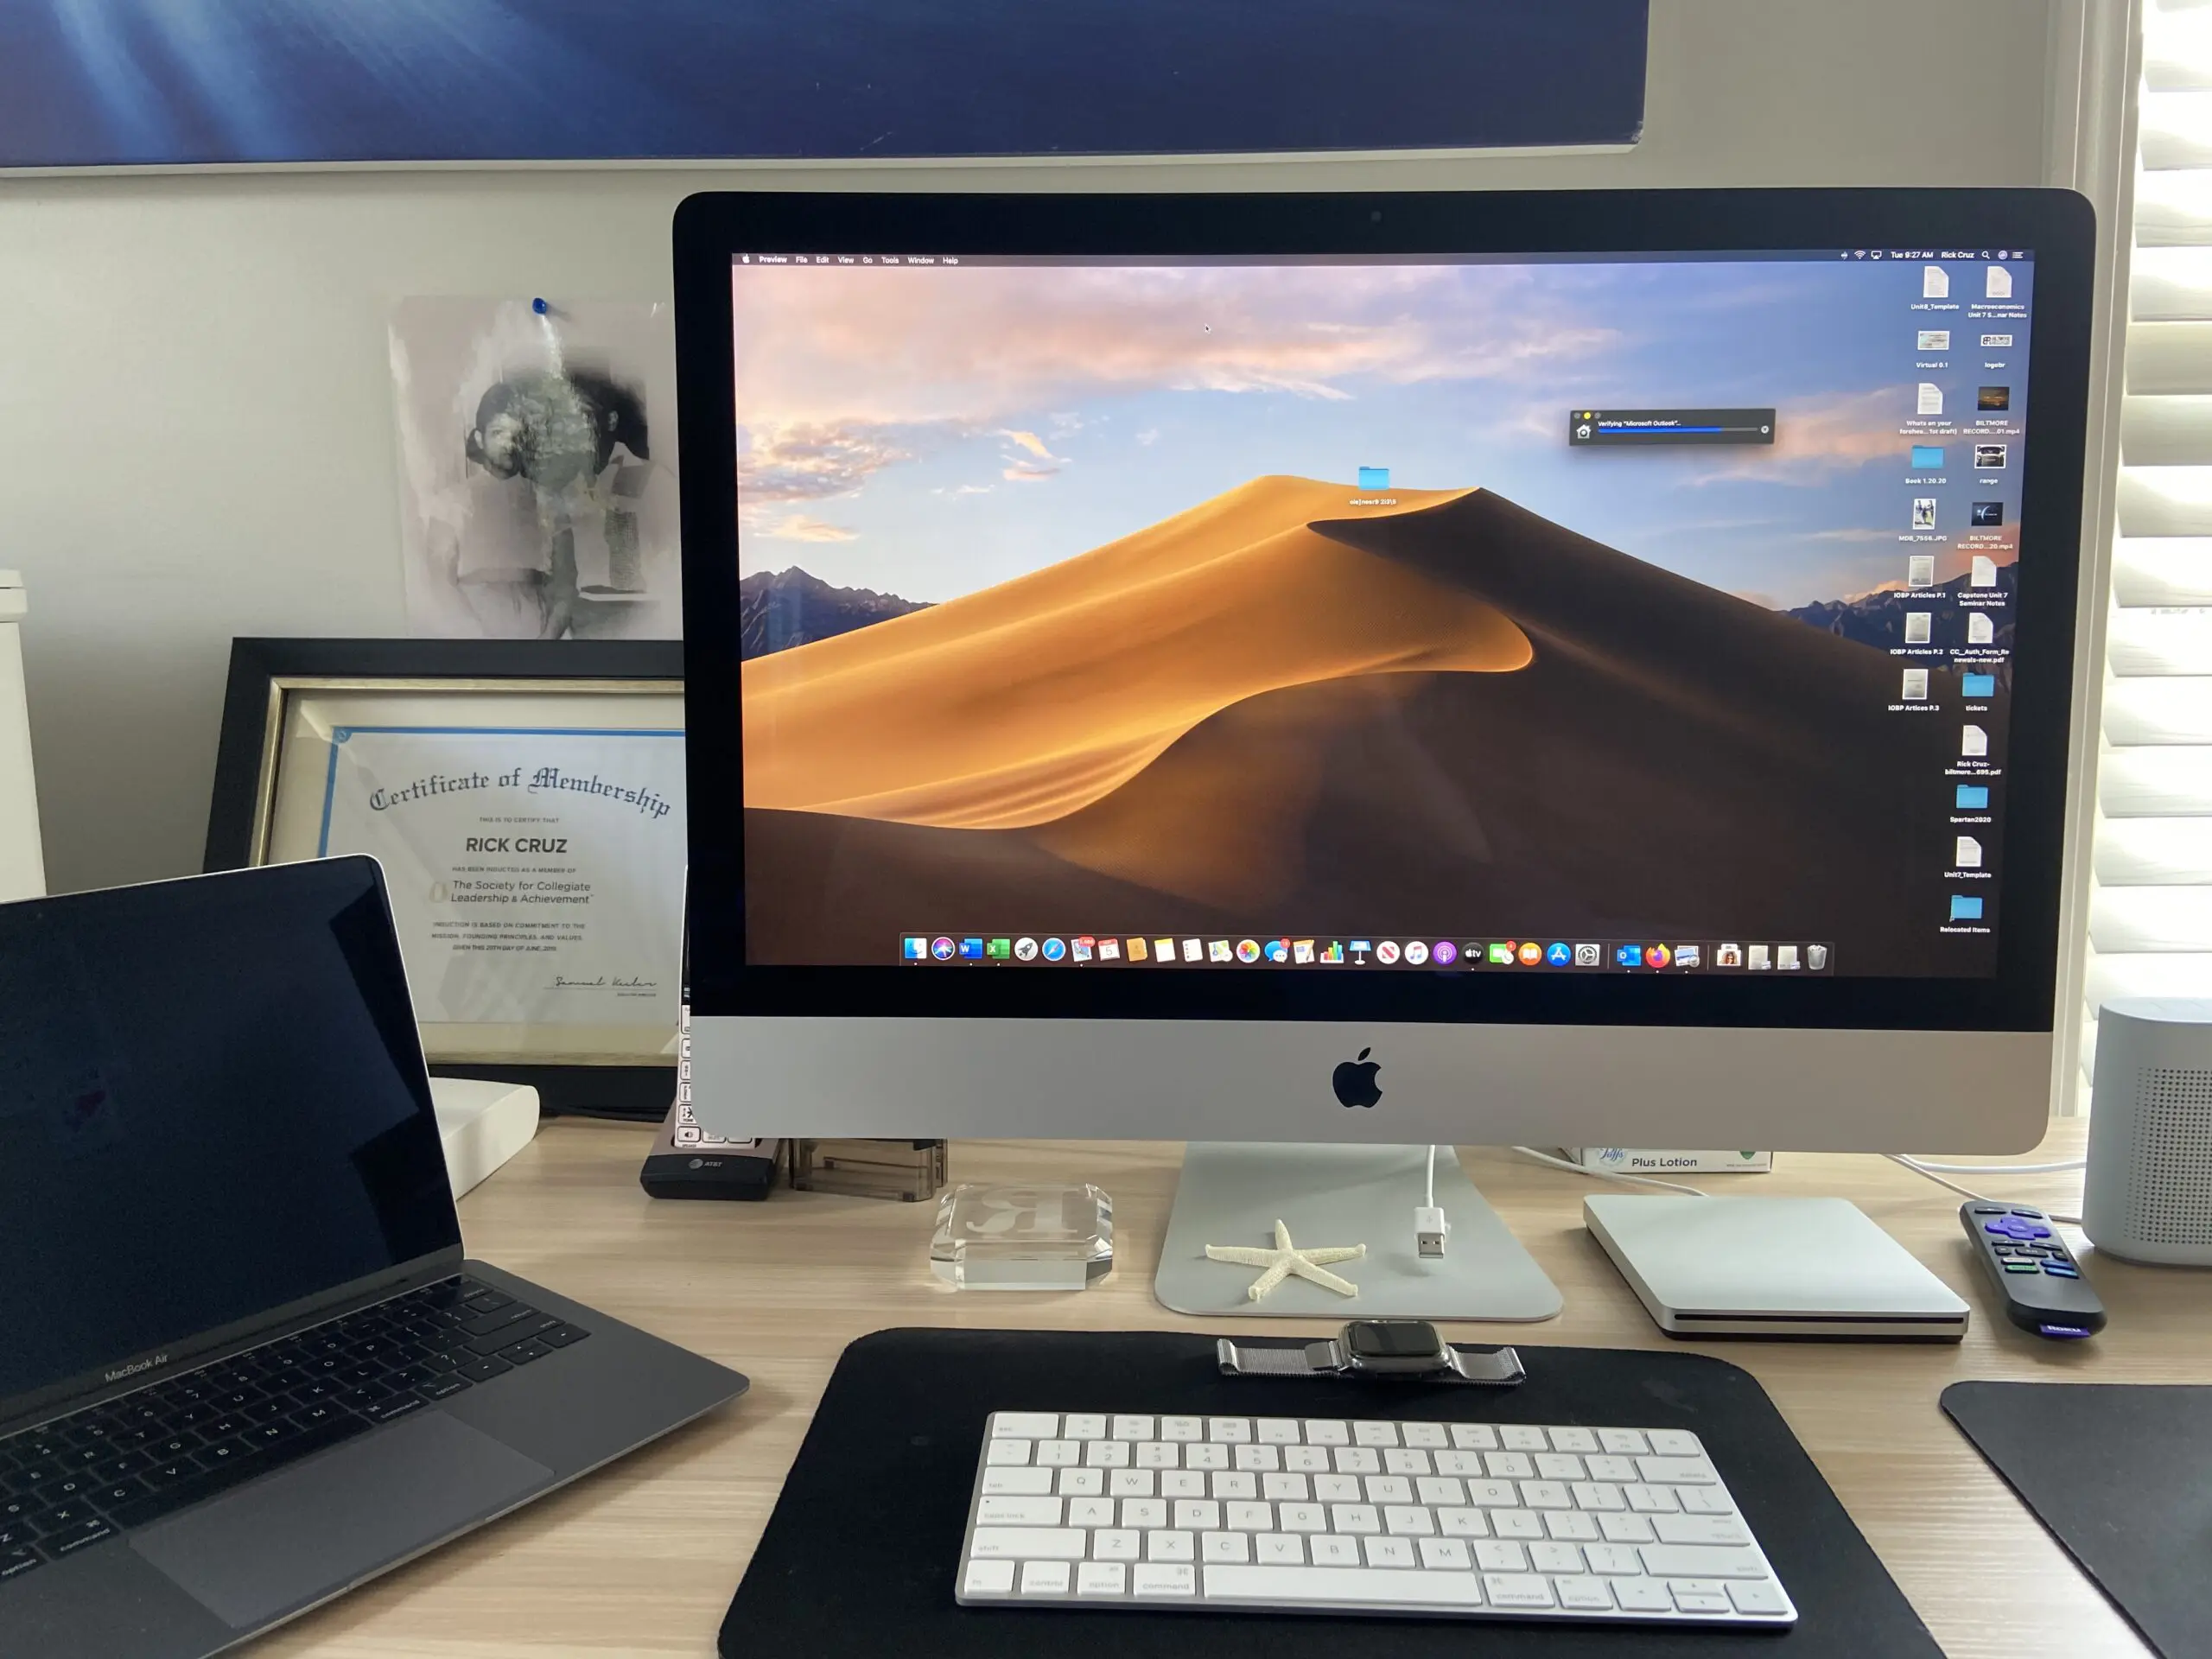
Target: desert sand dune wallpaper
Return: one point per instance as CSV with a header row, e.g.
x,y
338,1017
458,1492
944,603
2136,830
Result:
x,y
1313,702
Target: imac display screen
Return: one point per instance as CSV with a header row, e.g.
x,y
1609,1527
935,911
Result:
x,y
1644,614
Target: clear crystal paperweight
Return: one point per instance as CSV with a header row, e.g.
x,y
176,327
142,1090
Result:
x,y
1023,1237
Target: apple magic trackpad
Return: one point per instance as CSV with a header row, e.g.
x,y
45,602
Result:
x,y
285,1542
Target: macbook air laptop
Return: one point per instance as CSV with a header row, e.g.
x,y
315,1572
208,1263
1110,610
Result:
x,y
244,1364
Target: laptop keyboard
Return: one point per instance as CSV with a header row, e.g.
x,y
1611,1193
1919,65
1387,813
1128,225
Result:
x,y
122,1464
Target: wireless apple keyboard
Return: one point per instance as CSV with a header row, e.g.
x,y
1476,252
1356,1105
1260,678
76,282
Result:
x,y
1325,1515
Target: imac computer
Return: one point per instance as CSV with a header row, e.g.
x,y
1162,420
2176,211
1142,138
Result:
x,y
1364,671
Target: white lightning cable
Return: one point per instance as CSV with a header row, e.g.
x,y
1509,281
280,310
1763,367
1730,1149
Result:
x,y
1929,1170
1431,1199
1612,1175
1431,1226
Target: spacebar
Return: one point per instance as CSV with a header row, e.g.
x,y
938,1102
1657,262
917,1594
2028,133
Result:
x,y
1378,1587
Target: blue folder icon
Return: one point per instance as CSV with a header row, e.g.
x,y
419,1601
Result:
x,y
1974,797
1926,456
1965,907
1977,686
1374,478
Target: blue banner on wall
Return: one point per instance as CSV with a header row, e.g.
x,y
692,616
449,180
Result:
x,y
155,82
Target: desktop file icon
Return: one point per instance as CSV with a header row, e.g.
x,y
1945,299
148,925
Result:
x,y
1965,907
1972,797
1374,478
1977,686
1927,457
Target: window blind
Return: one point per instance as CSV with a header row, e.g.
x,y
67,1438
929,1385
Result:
x,y
2151,894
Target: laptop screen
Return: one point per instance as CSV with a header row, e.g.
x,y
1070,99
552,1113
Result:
x,y
212,1104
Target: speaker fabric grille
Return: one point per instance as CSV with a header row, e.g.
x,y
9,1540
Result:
x,y
2169,1181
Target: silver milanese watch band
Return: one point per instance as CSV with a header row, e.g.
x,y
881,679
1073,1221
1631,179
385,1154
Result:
x,y
1326,1358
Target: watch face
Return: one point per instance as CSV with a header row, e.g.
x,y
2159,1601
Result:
x,y
1394,1339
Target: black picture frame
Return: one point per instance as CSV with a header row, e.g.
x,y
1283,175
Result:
x,y
2058,225
261,667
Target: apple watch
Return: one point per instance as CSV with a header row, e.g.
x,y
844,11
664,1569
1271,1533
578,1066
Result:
x,y
1397,1350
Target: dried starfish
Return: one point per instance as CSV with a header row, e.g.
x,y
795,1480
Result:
x,y
1286,1259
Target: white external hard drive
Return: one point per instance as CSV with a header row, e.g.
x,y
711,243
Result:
x,y
1770,1268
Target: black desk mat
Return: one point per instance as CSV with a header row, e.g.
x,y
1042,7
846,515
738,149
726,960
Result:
x,y
859,1555
2121,1474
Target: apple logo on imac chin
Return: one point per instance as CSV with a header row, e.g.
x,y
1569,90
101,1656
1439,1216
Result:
x,y
1354,1081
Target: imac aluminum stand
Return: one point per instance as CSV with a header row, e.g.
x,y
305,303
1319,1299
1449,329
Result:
x,y
1337,1195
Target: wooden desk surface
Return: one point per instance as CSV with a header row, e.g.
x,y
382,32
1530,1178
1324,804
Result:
x,y
642,1558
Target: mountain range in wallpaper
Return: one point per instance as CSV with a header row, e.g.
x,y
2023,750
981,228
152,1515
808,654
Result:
x,y
1274,711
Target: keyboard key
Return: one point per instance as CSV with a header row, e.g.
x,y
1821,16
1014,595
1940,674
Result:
x,y
1024,1481
1430,1437
1500,1555
443,1387
1333,1551
1516,1590
1702,1561
1463,1524
67,1541
1518,1437
1171,1581
1760,1597
1625,1530
1354,1517
1229,1431
1215,1547
1441,1555
1091,1512
1045,1578
15,1562
523,1352
1574,1439
1018,1512
1130,1483
561,1335
1281,1548
1571,1526
1343,1586
1027,1544
1182,1428
1642,1596
398,1406
1676,1472
1084,1426
1389,1552
1555,1557
1102,1579
1516,1523
1133,1428
1278,1431
1116,1544
1583,1595
1373,1434
1153,1454
1699,1596
988,1578
1675,1443
1081,1483
1197,1514
1701,1529
1327,1431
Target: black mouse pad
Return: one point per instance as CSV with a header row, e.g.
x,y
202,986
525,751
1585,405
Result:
x,y
2121,1474
860,1554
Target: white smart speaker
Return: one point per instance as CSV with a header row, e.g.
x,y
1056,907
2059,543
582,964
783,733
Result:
x,y
2148,1192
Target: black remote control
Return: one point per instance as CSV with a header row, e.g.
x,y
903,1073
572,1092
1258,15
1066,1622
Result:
x,y
2036,1274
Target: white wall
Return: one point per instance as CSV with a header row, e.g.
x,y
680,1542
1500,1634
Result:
x,y
195,405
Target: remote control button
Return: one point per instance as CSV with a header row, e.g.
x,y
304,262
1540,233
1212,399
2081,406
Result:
x,y
2058,1271
1989,1209
2021,1267
2033,1214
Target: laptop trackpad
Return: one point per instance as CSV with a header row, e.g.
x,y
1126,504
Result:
x,y
285,1542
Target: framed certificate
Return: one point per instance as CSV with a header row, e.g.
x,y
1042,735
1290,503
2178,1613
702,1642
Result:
x,y
526,800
